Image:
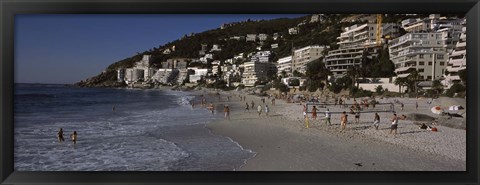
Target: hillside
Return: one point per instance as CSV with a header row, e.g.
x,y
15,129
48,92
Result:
x,y
323,32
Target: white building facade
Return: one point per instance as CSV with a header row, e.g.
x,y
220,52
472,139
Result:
x,y
424,52
305,55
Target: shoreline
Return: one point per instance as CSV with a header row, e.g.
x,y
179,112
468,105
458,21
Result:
x,y
281,142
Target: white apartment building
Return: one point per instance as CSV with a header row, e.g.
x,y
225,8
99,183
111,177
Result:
x,y
141,71
251,37
254,71
421,51
261,56
198,74
284,64
305,55
457,61
262,37
353,42
293,31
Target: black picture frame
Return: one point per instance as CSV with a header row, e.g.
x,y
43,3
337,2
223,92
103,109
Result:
x,y
10,8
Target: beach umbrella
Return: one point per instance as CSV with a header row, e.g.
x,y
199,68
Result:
x,y
436,110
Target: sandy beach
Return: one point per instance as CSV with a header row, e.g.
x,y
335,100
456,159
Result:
x,y
283,143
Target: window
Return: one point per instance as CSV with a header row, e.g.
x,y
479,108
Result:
x,y
429,77
429,63
421,63
442,63
439,56
420,56
421,70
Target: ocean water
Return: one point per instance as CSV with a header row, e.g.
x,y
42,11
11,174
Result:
x,y
150,130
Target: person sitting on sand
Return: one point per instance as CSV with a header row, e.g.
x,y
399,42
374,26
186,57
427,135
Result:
x,y
74,137
259,110
314,113
60,135
376,121
343,120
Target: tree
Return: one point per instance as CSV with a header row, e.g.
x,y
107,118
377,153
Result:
x,y
401,82
463,75
353,73
437,87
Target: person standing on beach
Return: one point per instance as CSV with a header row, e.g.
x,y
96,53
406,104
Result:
x,y
246,107
343,120
60,135
212,108
376,121
226,109
314,113
74,137
416,105
394,120
357,116
267,110
259,110
304,111
273,101
253,105
340,102
402,106
327,117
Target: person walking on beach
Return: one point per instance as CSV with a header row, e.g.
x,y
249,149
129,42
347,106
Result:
x,y
246,107
343,120
394,120
259,110
327,117
74,137
376,121
314,113
340,102
402,106
226,109
267,110
60,135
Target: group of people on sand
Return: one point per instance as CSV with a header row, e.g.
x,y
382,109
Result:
x,y
62,139
344,117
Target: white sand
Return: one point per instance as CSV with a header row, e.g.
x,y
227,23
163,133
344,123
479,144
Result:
x,y
283,143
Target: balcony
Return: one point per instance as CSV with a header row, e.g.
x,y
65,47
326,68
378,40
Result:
x,y
402,75
458,53
456,62
461,44
403,69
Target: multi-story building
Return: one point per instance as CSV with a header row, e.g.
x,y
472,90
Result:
x,y
293,31
251,37
261,56
253,72
424,52
305,55
354,43
262,37
457,61
141,71
284,64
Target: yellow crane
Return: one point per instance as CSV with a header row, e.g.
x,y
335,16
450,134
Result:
x,y
378,38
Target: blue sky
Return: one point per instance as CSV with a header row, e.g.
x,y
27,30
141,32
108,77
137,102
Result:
x,y
64,49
